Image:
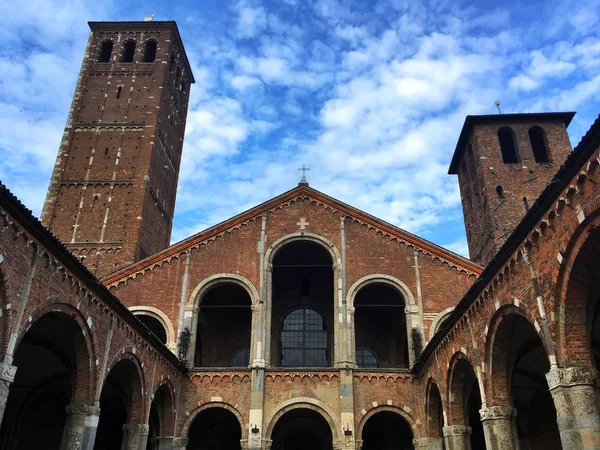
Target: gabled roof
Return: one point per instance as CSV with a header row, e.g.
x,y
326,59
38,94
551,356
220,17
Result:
x,y
300,191
470,121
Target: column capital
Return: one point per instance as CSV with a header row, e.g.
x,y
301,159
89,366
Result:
x,y
267,443
137,428
571,376
82,410
497,412
7,372
456,430
421,442
411,309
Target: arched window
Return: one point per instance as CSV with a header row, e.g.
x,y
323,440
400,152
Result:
x,y
172,63
178,78
500,191
366,358
240,358
537,137
507,145
154,325
304,340
128,51
105,51
150,51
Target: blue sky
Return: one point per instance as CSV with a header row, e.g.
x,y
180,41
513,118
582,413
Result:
x,y
370,94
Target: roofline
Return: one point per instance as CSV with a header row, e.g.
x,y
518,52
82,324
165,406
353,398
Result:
x,y
151,24
487,118
559,182
181,246
20,212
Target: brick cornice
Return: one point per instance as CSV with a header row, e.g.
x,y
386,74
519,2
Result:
x,y
275,203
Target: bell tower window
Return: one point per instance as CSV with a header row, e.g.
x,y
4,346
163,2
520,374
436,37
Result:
x,y
537,137
507,145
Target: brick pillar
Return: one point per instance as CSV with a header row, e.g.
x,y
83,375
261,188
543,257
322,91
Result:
x,y
135,436
171,443
80,427
456,437
577,402
500,427
7,376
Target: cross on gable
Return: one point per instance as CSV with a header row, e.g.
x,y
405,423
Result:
x,y
303,223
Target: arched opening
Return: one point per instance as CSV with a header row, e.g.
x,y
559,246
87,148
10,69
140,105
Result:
x,y
224,325
465,402
150,51
106,49
128,51
387,430
519,366
51,361
172,63
154,325
366,358
161,418
507,145
215,428
120,403
500,191
582,306
435,413
537,137
302,312
380,323
302,429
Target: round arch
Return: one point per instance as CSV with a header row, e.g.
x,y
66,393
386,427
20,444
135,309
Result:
x,y
435,419
161,317
188,422
138,410
219,278
306,403
458,357
383,279
168,425
304,236
439,319
386,408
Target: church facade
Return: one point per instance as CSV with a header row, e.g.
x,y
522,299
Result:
x,y
302,322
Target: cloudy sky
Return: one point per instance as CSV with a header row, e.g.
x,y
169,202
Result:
x,y
371,95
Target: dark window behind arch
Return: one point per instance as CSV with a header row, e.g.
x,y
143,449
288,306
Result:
x,y
507,145
537,137
105,51
240,358
304,341
366,358
154,325
128,51
150,51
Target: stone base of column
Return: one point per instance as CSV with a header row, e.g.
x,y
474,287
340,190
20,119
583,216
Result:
x,y
456,437
171,443
135,436
499,427
7,376
80,427
577,401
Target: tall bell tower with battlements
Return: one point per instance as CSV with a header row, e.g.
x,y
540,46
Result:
x,y
503,163
112,192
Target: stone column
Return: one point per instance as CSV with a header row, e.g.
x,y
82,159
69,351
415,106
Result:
x,y
135,436
456,437
577,401
80,427
171,443
500,427
412,323
7,376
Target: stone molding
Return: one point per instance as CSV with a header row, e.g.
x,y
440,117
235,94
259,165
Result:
x,y
420,443
411,309
136,428
7,372
571,376
82,410
456,430
497,412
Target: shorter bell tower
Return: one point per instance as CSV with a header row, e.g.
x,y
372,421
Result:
x,y
503,163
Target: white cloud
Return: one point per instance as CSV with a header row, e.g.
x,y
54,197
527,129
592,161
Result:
x,y
251,21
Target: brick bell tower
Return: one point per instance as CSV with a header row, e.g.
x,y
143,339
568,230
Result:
x,y
112,193
503,163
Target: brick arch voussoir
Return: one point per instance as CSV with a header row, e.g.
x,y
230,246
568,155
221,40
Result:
x,y
137,411
566,287
394,409
84,382
454,392
496,377
232,409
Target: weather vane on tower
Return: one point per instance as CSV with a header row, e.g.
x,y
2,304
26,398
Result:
x,y
303,181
